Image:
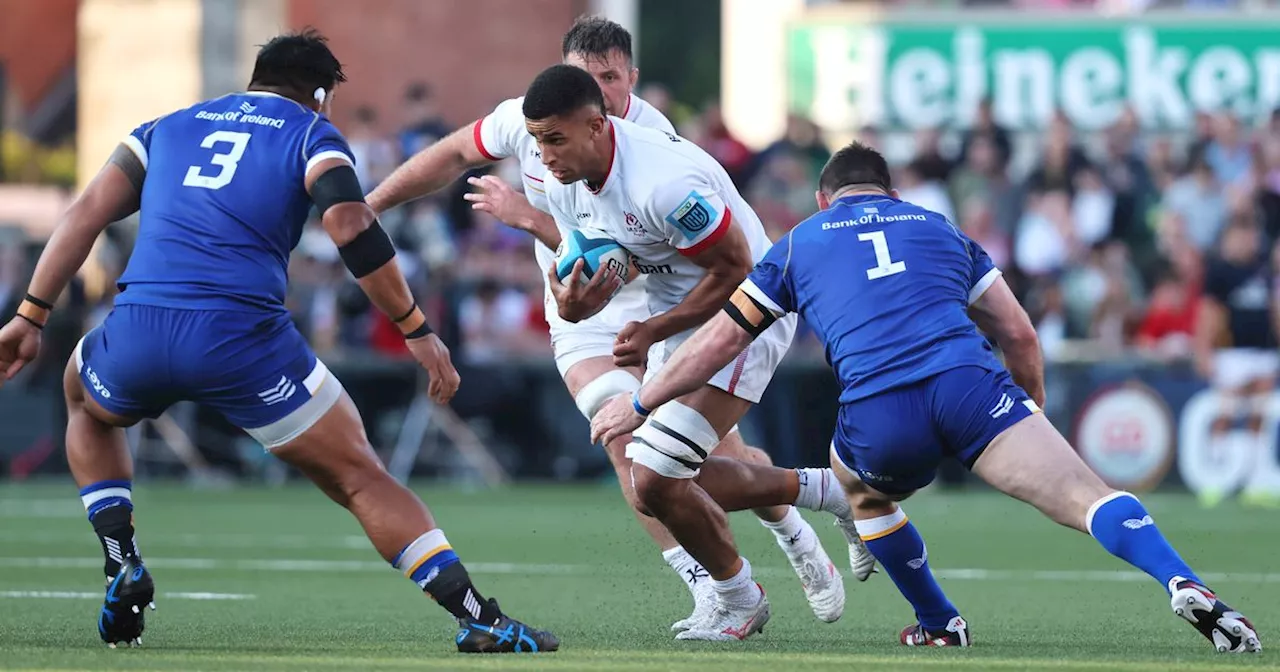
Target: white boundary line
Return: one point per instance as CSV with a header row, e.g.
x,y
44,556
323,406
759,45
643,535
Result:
x,y
69,595
307,565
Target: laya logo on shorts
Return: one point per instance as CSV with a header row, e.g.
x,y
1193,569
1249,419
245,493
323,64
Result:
x,y
97,384
873,476
278,393
693,215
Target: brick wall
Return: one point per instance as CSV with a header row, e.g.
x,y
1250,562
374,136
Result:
x,y
37,44
471,63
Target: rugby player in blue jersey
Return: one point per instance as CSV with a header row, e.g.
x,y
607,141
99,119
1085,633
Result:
x,y
223,189
898,295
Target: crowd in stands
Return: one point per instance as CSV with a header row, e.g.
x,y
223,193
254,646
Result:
x,y
1104,238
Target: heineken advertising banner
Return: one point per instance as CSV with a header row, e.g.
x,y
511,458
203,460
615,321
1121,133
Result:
x,y
847,74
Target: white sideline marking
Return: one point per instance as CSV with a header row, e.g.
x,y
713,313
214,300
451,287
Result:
x,y
41,508
304,565
67,595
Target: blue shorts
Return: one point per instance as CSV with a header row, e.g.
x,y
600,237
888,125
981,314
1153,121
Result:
x,y
895,440
253,368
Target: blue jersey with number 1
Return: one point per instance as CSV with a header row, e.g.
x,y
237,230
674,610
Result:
x,y
224,202
886,285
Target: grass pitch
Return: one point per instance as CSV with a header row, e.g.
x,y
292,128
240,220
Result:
x,y
264,580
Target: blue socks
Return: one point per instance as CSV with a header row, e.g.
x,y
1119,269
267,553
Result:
x,y
109,505
424,558
430,562
1122,525
898,546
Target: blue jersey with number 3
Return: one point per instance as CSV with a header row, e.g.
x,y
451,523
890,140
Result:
x,y
886,286
224,201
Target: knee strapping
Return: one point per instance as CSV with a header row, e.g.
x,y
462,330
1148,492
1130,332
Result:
x,y
594,394
674,441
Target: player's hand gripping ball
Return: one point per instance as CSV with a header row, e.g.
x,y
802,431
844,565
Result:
x,y
598,252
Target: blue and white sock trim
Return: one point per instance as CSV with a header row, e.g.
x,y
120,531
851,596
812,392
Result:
x,y
106,494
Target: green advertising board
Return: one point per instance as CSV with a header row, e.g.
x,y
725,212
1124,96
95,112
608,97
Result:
x,y
849,73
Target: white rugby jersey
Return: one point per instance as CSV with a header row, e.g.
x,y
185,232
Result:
x,y
502,134
665,200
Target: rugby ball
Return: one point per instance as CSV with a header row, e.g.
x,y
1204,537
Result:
x,y
599,251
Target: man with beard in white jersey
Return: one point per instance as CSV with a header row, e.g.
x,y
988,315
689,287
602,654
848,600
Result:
x,y
584,347
675,209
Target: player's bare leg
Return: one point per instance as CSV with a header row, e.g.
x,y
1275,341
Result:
x,y
98,455
577,378
666,454
732,446
335,454
1034,463
894,541
734,485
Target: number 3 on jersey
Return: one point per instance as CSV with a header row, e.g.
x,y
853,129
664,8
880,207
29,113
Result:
x,y
885,266
226,162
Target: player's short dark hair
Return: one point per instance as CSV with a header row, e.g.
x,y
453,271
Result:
x,y
561,90
855,163
298,61
596,36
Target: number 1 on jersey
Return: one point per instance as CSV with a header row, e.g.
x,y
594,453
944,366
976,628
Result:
x,y
225,162
885,266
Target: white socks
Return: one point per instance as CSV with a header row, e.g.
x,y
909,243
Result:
x,y
740,592
695,577
793,533
821,491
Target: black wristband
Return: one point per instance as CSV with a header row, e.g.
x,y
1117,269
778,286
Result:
x,y
33,323
420,332
40,303
407,313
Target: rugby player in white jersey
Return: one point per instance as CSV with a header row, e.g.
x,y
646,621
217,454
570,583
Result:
x,y
584,346
675,209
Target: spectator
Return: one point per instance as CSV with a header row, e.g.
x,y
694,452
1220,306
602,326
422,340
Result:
x,y
801,141
424,126
929,193
1198,200
1093,209
494,323
1043,241
978,221
1061,161
1168,326
374,153
929,161
1228,153
982,176
986,129
721,144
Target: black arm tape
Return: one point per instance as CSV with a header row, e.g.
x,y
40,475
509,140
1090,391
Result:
x,y
337,185
750,314
368,251
130,165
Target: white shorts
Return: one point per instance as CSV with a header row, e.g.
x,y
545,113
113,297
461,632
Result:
x,y
593,337
1236,367
747,376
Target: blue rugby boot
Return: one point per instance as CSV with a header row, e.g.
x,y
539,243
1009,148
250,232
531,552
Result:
x,y
506,636
122,620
